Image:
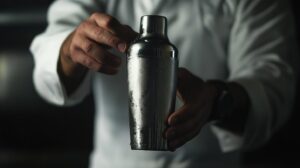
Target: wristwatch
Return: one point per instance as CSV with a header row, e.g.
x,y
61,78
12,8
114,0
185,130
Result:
x,y
223,103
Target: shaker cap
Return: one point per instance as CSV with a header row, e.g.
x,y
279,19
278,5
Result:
x,y
153,25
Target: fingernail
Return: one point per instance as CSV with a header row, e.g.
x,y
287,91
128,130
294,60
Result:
x,y
122,47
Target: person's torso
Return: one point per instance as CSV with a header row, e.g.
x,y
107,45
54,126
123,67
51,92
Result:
x,y
200,29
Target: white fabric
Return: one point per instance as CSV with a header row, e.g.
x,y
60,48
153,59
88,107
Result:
x,y
247,41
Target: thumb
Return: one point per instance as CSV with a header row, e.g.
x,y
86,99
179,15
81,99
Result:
x,y
183,84
187,84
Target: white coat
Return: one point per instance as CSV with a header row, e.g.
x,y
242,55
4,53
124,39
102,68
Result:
x,y
247,41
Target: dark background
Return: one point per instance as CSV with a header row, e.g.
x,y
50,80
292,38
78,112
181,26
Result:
x,y
35,134
38,135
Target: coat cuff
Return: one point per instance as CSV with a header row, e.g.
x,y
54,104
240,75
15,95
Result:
x,y
258,125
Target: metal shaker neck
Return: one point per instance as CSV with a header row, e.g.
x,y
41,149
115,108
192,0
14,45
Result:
x,y
153,25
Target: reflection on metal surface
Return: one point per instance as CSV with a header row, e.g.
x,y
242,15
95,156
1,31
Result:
x,y
152,67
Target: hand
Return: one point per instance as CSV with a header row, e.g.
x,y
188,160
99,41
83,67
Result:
x,y
197,97
87,45
87,48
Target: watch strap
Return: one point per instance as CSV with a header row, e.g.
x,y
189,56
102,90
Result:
x,y
222,90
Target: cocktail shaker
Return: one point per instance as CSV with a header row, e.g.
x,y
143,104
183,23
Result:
x,y
152,64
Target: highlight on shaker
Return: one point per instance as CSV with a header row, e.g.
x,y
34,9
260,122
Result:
x,y
152,76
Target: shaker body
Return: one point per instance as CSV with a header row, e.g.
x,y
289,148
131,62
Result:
x,y
152,76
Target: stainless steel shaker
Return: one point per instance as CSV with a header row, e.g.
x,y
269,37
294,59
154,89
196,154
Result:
x,y
152,76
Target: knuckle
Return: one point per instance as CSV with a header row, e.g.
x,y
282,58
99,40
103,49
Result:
x,y
72,49
98,32
108,21
88,63
75,58
78,30
94,15
112,41
76,40
83,26
88,47
73,54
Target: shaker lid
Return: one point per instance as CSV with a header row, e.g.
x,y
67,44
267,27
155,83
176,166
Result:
x,y
153,24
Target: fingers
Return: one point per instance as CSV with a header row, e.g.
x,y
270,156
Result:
x,y
173,145
186,118
186,123
107,22
89,43
113,26
102,36
106,66
179,130
97,52
181,115
185,130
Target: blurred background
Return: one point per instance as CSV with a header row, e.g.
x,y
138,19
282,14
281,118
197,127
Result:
x,y
33,133
38,135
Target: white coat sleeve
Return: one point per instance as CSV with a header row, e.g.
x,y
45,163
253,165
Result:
x,y
63,17
261,53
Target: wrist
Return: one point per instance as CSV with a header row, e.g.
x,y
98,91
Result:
x,y
223,104
68,68
69,72
241,98
231,106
